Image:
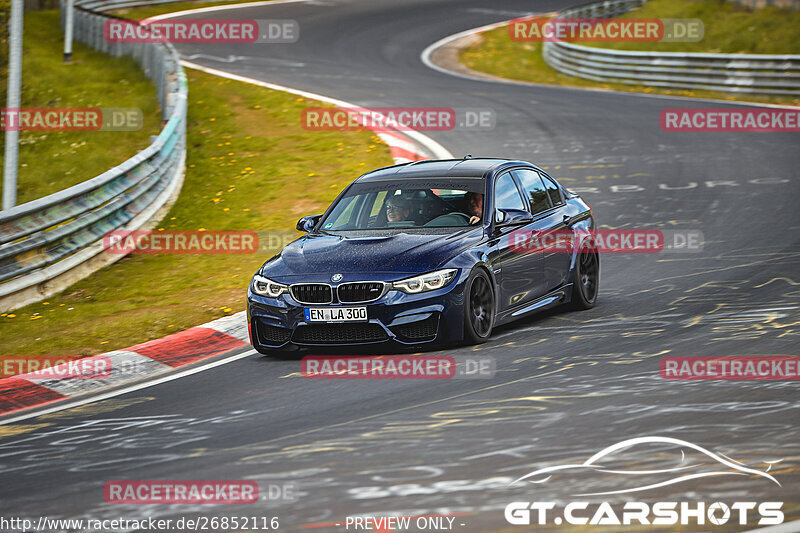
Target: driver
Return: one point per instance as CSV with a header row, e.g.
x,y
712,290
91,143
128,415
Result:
x,y
474,206
397,209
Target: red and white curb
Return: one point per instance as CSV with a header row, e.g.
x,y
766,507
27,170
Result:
x,y
25,391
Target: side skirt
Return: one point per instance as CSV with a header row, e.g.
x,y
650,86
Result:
x,y
557,297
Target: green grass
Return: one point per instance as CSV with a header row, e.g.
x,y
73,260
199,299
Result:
x,y
498,55
729,28
139,13
250,166
93,79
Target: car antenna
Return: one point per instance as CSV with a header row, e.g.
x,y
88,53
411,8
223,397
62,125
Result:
x,y
468,156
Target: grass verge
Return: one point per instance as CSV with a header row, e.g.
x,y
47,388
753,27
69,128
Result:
x,y
250,166
495,53
730,28
92,79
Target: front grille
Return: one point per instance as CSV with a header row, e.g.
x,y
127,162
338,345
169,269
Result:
x,y
272,335
339,333
312,293
360,292
420,330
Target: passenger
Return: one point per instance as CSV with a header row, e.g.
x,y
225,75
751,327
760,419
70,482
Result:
x,y
474,207
397,209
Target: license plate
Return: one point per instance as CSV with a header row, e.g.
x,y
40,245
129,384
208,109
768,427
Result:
x,y
336,314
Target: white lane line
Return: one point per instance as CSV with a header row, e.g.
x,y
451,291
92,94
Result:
x,y
438,151
132,388
426,55
222,7
428,52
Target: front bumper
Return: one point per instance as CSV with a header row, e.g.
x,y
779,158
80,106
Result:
x,y
396,317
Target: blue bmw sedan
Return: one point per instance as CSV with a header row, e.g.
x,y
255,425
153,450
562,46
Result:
x,y
425,252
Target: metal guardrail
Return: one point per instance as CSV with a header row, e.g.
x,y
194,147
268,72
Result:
x,y
60,235
744,73
108,5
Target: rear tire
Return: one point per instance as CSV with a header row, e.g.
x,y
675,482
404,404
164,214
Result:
x,y
478,308
585,284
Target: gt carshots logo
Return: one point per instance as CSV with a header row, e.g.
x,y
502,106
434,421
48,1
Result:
x,y
695,462
660,513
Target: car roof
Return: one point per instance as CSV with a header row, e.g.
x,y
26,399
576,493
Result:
x,y
460,168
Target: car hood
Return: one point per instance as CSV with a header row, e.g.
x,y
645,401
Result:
x,y
403,253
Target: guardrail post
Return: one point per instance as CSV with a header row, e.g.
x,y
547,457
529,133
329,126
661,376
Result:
x,y
69,22
13,103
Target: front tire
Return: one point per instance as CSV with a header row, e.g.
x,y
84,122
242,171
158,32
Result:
x,y
587,278
478,308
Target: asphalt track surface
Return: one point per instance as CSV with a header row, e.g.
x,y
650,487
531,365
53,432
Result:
x,y
567,384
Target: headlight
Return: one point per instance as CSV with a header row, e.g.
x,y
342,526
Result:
x,y
426,282
267,287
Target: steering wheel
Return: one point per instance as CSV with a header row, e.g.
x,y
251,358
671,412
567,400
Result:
x,y
444,220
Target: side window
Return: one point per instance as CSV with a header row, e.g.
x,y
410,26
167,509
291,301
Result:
x,y
534,189
506,195
552,191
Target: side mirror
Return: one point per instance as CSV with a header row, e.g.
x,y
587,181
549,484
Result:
x,y
307,223
513,217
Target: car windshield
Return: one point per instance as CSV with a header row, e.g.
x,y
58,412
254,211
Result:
x,y
408,203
